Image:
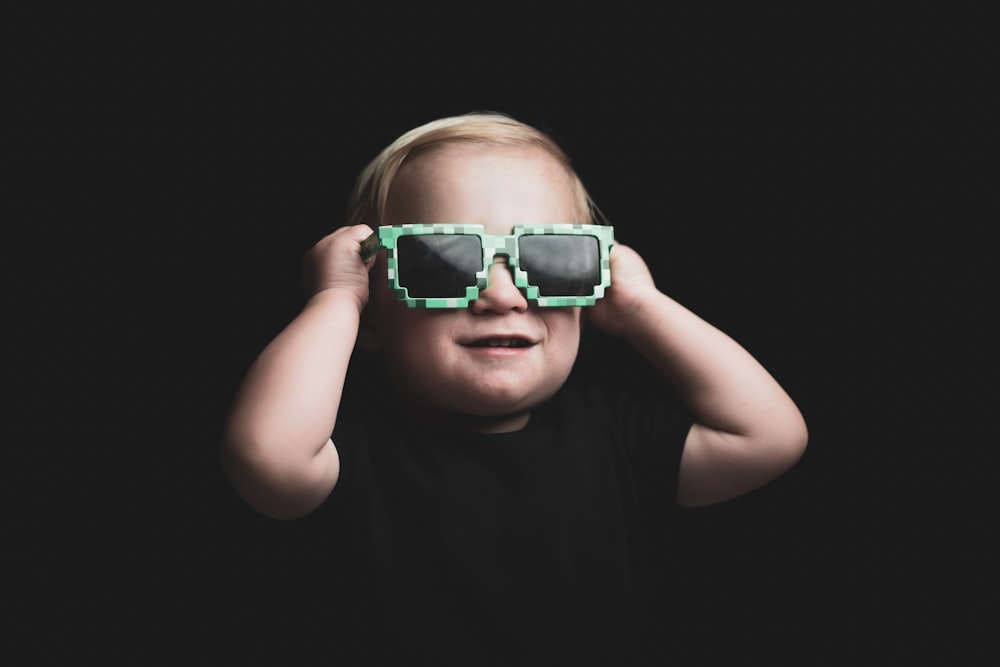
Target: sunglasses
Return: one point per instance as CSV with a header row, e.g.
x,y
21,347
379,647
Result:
x,y
446,266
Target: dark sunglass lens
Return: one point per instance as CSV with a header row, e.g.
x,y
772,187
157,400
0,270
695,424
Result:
x,y
561,265
438,265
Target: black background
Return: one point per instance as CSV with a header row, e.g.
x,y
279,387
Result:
x,y
808,182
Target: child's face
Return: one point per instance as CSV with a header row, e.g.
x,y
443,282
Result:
x,y
462,360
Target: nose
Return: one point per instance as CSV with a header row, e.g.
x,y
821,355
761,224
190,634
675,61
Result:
x,y
502,295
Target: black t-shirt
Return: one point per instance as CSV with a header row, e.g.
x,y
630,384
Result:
x,y
509,549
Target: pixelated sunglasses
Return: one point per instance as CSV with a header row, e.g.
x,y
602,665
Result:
x,y
446,265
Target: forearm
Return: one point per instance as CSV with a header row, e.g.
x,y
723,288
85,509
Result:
x,y
276,440
747,430
721,382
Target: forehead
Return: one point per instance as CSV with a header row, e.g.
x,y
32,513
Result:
x,y
476,184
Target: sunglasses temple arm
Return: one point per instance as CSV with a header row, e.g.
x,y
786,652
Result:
x,y
370,246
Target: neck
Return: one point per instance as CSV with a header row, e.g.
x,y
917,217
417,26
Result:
x,y
476,423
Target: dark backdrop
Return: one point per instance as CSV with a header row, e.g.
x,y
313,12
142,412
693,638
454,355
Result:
x,y
166,171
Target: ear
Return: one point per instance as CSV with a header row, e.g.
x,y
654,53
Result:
x,y
368,335
368,338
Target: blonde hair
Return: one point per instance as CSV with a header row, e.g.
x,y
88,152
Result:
x,y
368,199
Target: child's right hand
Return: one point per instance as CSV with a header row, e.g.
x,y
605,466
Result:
x,y
335,263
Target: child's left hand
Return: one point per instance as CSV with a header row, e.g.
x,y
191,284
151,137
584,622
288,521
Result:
x,y
631,286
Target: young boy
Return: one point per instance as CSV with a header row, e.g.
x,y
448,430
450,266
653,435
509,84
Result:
x,y
493,500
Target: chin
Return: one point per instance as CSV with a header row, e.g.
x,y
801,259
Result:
x,y
498,403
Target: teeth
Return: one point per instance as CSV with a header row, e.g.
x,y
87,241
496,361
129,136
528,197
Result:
x,y
502,342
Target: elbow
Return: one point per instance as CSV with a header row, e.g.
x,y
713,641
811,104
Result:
x,y
795,439
800,436
274,493
781,434
717,466
279,486
787,443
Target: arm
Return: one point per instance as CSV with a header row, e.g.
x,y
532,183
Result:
x,y
747,431
276,448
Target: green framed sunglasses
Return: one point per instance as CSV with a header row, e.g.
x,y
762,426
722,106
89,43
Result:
x,y
446,265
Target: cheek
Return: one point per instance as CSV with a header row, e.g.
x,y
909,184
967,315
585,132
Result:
x,y
417,353
406,336
563,321
564,332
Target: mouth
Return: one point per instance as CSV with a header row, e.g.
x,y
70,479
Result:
x,y
511,342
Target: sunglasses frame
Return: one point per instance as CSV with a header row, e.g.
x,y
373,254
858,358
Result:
x,y
493,245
